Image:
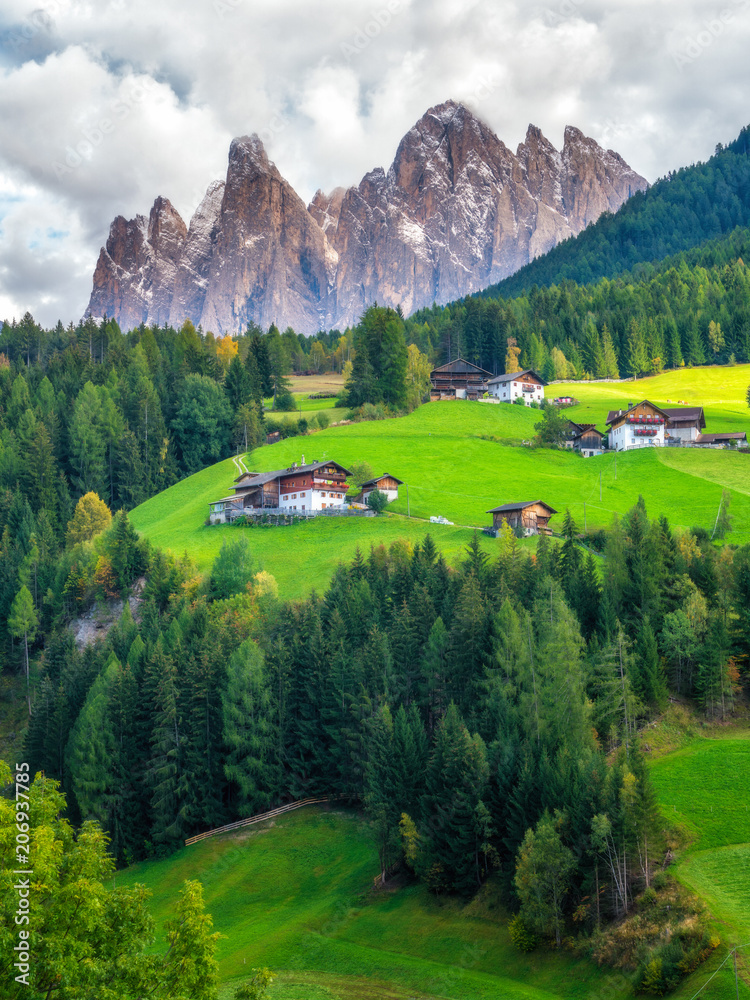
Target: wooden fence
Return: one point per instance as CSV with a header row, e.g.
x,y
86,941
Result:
x,y
289,807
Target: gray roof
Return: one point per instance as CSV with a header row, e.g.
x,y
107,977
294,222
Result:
x,y
686,415
376,480
721,436
249,480
519,506
512,375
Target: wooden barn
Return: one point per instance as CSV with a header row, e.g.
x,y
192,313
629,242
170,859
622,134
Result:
x,y
585,438
458,379
529,518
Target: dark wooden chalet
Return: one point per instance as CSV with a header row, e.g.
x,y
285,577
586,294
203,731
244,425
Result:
x,y
585,438
458,379
531,517
727,439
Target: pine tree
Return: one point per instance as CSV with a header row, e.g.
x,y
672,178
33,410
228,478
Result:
x,y
250,731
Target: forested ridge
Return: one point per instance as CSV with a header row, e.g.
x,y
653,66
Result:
x,y
680,211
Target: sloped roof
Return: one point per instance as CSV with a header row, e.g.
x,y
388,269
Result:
x,y
509,378
722,436
460,367
376,480
616,414
520,506
250,482
686,415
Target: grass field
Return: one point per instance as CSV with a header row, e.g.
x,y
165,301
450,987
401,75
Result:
x,y
461,458
302,557
720,391
298,899
706,788
297,896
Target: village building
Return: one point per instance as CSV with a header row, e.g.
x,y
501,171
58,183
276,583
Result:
x,y
640,426
727,439
386,483
459,379
586,439
529,518
685,424
526,385
317,486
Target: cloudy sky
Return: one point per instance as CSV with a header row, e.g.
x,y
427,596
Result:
x,y
105,105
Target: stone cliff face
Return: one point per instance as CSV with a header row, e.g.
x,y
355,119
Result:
x,y
456,211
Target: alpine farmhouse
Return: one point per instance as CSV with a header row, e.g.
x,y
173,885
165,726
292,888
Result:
x,y
317,486
526,385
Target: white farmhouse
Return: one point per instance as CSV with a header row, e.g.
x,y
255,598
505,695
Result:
x,y
316,486
640,426
526,385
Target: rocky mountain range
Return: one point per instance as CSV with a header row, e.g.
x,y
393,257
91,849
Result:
x,y
456,211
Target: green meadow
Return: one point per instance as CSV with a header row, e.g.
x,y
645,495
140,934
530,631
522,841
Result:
x,y
705,788
297,897
720,391
461,458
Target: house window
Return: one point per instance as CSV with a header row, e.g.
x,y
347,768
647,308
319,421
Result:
x,y
285,498
322,505
303,506
294,496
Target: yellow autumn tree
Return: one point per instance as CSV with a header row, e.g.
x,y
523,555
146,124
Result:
x,y
226,349
91,517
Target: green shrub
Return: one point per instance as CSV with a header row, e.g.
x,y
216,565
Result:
x,y
521,936
648,898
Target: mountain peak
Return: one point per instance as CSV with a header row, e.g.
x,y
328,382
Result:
x,y
456,211
248,154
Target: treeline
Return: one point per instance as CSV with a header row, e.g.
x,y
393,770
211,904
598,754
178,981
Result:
x,y
90,409
464,707
680,211
686,314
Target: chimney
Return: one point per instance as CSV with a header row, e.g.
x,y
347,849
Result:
x,y
303,460
630,406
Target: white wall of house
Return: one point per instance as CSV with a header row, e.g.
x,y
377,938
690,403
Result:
x,y
684,433
507,392
624,437
310,499
391,494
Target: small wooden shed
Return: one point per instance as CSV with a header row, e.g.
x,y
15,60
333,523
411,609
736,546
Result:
x,y
531,517
386,483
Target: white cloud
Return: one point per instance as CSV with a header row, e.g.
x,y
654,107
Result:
x,y
105,106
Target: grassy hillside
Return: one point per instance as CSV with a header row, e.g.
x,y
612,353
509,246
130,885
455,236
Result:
x,y
459,459
297,897
720,391
705,787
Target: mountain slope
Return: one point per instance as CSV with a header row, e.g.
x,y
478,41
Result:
x,y
676,213
456,210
